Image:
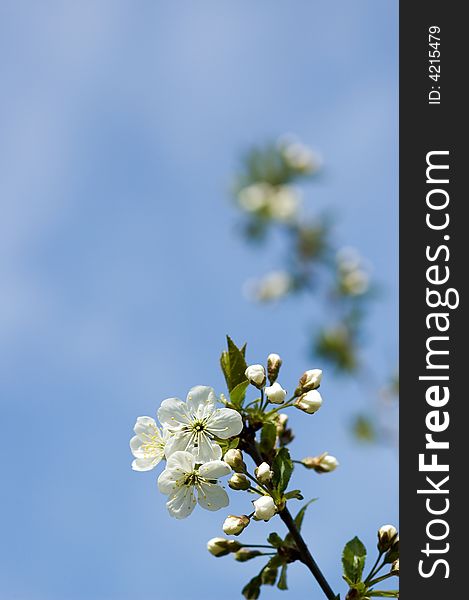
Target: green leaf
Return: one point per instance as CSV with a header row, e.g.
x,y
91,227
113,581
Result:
x,y
268,438
294,494
282,582
353,559
252,590
275,540
384,594
238,364
238,393
282,468
301,514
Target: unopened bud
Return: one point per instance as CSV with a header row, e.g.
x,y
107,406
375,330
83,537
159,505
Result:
x,y
275,393
274,362
265,508
239,481
234,525
309,402
219,546
395,568
234,459
325,463
263,473
246,554
310,380
387,535
269,575
256,375
393,552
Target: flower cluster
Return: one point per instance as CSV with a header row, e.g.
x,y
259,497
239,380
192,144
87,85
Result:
x,y
207,437
189,440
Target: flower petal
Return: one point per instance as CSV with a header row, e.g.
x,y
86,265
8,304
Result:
x,y
212,496
225,423
172,413
181,462
170,480
182,503
201,401
180,441
206,449
146,427
146,464
214,469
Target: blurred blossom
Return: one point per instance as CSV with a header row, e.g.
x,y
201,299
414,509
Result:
x,y
284,203
353,275
273,286
297,155
253,198
280,203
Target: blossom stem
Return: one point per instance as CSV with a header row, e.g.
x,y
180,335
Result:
x,y
257,546
374,569
305,555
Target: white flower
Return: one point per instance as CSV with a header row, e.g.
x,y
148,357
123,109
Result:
x,y
263,473
181,477
256,375
148,444
265,508
234,525
275,393
197,422
309,402
310,380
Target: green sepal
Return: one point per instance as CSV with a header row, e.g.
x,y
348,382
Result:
x,y
275,540
282,581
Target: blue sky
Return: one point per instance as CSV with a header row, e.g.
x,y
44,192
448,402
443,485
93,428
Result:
x,y
122,124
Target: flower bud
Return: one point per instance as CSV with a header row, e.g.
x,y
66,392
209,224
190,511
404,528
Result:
x,y
234,525
310,380
387,535
256,375
263,473
275,393
274,362
219,546
325,463
269,575
309,402
393,552
265,508
245,554
234,459
239,481
395,568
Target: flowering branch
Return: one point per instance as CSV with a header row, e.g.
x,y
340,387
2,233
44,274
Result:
x,y
202,443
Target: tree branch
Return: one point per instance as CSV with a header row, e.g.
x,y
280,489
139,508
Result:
x,y
249,446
